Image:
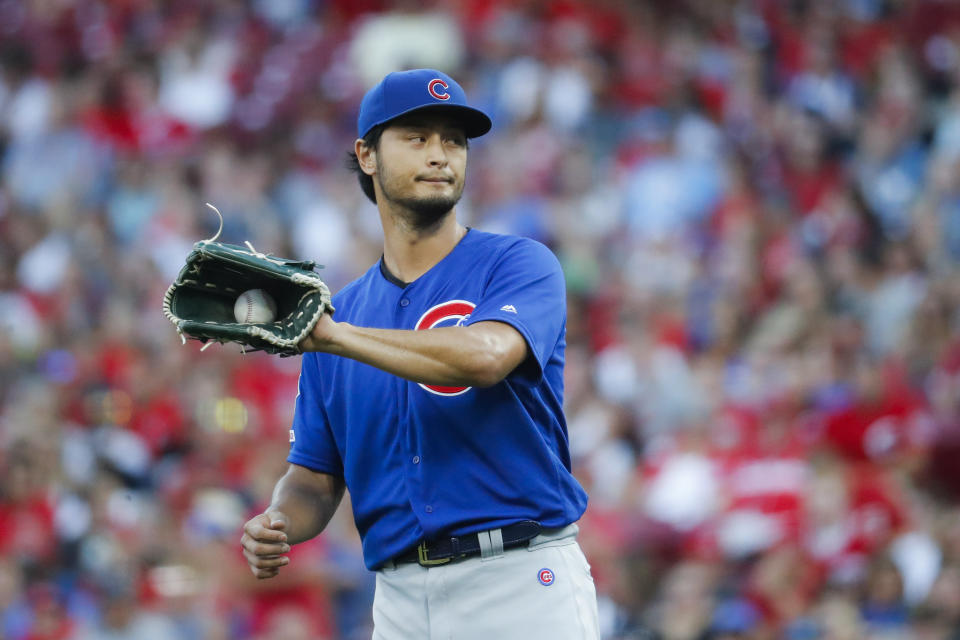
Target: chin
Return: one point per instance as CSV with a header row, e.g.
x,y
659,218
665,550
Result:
x,y
434,190
428,212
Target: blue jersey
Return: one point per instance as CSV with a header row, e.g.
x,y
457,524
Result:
x,y
420,460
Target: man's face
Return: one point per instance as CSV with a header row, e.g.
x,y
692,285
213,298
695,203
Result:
x,y
421,162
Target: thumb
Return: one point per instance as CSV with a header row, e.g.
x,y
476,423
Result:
x,y
277,520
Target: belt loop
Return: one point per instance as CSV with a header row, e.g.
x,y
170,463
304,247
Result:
x,y
486,547
491,544
455,546
496,537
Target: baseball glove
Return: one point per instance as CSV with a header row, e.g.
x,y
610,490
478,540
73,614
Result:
x,y
201,300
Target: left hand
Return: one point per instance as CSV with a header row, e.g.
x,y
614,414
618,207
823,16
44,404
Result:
x,y
201,301
323,335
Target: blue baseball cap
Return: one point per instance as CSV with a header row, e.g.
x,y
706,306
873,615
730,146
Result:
x,y
403,92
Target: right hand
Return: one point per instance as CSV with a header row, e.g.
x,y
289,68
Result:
x,y
264,542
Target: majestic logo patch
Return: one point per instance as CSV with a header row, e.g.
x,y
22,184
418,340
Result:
x,y
509,308
545,576
293,436
452,313
438,89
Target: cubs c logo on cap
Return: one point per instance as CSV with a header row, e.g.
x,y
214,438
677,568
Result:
x,y
446,314
438,89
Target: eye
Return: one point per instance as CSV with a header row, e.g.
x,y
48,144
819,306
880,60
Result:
x,y
417,138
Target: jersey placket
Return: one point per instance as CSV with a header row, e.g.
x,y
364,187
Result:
x,y
413,462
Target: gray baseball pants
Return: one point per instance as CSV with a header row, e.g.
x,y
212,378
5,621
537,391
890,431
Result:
x,y
544,590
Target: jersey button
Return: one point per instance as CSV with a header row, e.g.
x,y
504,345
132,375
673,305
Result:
x,y
429,509
404,302
416,459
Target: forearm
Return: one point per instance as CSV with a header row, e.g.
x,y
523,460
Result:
x,y
308,500
453,356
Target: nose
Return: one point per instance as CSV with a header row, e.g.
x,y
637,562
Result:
x,y
436,154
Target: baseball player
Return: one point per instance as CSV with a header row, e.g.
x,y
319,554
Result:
x,y
436,398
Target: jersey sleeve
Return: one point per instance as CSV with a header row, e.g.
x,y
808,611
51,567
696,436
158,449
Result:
x,y
311,440
526,290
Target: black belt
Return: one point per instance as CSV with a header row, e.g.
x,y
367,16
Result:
x,y
444,550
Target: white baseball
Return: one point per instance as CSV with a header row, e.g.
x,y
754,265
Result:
x,y
255,305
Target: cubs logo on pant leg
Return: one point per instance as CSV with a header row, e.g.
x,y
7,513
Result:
x,y
546,577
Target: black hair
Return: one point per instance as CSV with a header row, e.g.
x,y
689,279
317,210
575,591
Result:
x,y
372,139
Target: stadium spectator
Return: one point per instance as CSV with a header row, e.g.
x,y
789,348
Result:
x,y
757,208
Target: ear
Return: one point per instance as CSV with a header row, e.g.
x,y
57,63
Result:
x,y
366,157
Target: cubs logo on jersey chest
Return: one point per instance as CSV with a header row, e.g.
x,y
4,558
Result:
x,y
451,313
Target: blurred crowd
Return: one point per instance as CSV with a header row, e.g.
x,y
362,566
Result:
x,y
757,207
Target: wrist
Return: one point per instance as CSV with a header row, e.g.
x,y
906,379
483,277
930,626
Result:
x,y
334,339
325,336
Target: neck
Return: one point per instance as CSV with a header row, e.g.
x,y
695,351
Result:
x,y
408,251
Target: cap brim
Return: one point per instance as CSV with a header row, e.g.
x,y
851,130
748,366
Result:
x,y
475,122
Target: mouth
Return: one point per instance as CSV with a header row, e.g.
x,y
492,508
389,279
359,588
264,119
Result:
x,y
435,180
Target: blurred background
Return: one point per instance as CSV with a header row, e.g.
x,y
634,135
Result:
x,y
757,207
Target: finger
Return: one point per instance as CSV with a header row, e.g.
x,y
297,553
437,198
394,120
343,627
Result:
x,y
268,562
258,531
263,574
251,555
264,548
273,563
